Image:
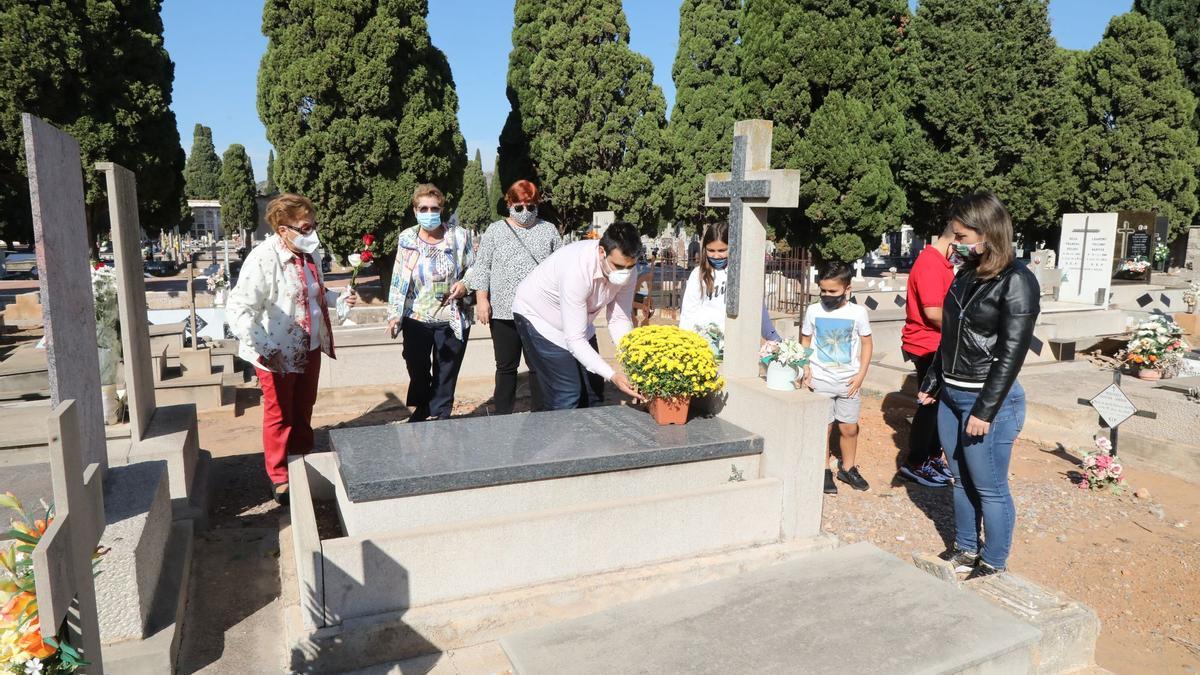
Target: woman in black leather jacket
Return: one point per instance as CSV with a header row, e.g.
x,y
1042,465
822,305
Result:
x,y
987,325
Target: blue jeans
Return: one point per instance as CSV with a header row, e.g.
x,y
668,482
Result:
x,y
980,468
564,382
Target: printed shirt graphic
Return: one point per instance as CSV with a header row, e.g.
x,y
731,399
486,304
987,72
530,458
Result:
x,y
836,340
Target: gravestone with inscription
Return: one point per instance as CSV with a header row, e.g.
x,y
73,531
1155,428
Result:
x,y
1085,257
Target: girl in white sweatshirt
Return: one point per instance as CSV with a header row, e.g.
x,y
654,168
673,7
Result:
x,y
704,297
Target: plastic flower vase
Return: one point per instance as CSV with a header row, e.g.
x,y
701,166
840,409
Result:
x,y
1149,374
782,377
670,411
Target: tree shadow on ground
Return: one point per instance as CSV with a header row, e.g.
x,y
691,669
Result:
x,y
936,503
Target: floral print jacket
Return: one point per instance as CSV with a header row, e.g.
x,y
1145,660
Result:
x,y
268,308
410,292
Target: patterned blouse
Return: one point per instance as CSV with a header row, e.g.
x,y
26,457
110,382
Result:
x,y
507,255
271,286
424,274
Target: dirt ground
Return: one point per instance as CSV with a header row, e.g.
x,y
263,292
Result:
x,y
1131,559
1135,561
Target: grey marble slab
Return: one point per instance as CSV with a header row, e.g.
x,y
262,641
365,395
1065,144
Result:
x,y
401,460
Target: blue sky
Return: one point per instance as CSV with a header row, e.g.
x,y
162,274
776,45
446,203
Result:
x,y
217,44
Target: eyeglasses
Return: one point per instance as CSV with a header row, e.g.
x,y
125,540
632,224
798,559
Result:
x,y
429,209
522,208
308,230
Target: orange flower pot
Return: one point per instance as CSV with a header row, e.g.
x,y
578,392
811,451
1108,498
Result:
x,y
1149,374
670,411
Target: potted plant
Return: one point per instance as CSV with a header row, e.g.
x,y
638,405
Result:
x,y
670,366
784,361
218,285
1154,348
716,340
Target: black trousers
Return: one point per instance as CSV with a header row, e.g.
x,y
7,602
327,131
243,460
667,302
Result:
x,y
506,343
923,443
433,357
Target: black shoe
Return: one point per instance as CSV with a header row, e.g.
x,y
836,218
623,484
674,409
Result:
x,y
830,486
853,478
279,492
963,561
983,570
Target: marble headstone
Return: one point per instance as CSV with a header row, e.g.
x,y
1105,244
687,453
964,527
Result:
x,y
601,220
131,296
1085,255
65,279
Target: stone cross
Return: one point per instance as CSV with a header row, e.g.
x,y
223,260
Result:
x,y
859,266
191,291
65,279
62,561
749,190
131,295
226,242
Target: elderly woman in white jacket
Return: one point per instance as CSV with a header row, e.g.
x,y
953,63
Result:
x,y
279,311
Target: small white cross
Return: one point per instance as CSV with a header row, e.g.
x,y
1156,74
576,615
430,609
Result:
x,y
859,266
812,275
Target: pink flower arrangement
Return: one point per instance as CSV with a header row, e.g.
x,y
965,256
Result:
x,y
1102,471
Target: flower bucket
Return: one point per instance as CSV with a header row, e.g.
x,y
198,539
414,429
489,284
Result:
x,y
781,377
670,411
1149,374
219,298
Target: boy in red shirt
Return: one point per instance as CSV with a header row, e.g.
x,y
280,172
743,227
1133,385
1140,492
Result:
x,y
928,284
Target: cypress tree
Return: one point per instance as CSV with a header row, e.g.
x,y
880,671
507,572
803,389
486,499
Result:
x,y
513,158
270,188
989,102
473,210
202,173
1181,18
707,84
826,74
496,194
595,121
239,209
1139,148
99,71
362,107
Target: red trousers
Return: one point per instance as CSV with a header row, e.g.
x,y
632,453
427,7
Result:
x,y
287,400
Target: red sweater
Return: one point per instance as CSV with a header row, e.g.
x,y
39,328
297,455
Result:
x,y
928,284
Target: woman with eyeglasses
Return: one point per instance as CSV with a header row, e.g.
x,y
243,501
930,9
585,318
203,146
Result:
x,y
508,251
424,304
279,311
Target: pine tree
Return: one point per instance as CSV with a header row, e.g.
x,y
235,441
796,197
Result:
x,y
362,108
98,71
825,73
1139,148
989,102
1180,18
239,208
473,211
496,194
203,171
595,121
270,188
707,86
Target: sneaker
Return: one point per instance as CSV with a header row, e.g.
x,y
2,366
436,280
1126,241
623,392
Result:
x,y
924,475
830,486
939,465
983,570
962,561
853,478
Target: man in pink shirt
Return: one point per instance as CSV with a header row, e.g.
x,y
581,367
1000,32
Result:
x,y
555,309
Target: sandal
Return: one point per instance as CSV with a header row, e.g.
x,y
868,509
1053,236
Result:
x,y
279,492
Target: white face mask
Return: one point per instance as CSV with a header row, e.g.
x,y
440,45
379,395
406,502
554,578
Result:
x,y
307,243
619,277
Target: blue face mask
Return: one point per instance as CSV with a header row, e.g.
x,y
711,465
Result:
x,y
718,263
429,221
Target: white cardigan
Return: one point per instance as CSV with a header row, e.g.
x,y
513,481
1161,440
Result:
x,y
701,309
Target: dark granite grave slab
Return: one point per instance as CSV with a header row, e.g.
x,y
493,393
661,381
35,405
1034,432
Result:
x,y
402,460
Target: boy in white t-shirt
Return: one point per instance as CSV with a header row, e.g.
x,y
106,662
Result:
x,y
839,333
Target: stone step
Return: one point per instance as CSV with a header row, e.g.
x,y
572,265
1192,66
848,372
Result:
x,y
856,609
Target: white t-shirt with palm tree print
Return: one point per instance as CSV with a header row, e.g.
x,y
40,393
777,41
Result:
x,y
836,340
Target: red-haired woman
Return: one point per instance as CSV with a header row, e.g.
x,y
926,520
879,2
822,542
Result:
x,y
509,250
